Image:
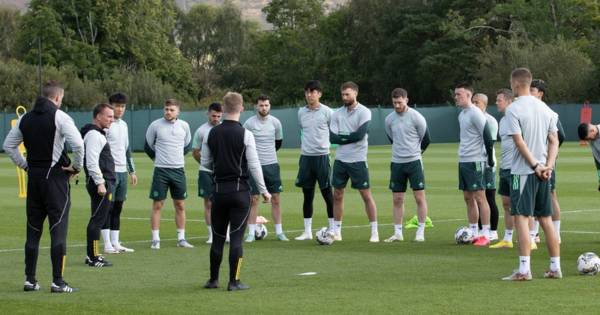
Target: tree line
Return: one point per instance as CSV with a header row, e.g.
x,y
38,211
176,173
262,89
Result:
x,y
152,50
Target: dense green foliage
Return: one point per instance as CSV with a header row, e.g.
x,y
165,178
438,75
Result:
x,y
425,46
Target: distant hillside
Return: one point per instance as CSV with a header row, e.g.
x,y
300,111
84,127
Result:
x,y
251,9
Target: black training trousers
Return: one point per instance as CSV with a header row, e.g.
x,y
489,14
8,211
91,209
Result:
x,y
230,208
48,195
100,206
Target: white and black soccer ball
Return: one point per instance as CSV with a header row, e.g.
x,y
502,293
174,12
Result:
x,y
463,235
588,264
324,236
260,232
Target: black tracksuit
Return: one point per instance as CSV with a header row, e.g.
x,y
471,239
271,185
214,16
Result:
x,y
100,205
231,197
43,132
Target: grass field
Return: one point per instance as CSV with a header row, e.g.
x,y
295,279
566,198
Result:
x,y
353,276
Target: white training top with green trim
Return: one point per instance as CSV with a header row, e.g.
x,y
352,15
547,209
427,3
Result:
x,y
493,126
199,135
118,139
344,122
265,130
314,124
168,139
472,123
406,130
534,121
507,145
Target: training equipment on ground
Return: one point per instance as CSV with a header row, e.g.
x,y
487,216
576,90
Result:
x,y
463,235
261,232
21,176
588,264
324,236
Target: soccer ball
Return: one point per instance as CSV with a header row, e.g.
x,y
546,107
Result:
x,y
588,264
261,232
463,235
324,236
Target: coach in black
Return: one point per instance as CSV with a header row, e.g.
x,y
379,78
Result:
x,y
99,168
44,131
229,150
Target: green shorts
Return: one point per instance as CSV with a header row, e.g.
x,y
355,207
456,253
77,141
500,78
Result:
x,y
489,177
552,180
530,196
358,172
272,177
400,173
165,179
206,184
314,169
470,176
504,183
119,190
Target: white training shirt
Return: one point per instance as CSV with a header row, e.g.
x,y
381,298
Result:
x,y
265,130
472,123
199,135
168,139
118,139
314,124
344,122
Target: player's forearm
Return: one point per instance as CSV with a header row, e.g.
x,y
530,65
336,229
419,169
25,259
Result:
x,y
425,141
552,150
355,136
489,144
129,159
561,133
196,155
149,151
278,144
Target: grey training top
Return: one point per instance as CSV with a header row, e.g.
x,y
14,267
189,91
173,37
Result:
x,y
406,130
265,130
534,121
168,139
472,123
314,124
344,122
507,145
493,125
199,135
118,139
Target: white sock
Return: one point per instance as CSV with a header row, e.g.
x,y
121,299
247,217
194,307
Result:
x,y
209,228
180,234
251,229
338,226
114,237
532,234
421,228
331,224
537,227
557,227
555,263
308,226
524,265
508,235
398,229
278,228
106,237
485,228
374,227
155,236
474,229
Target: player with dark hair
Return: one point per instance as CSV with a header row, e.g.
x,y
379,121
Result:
x,y
205,181
314,119
349,129
538,89
268,135
44,131
589,133
118,139
99,167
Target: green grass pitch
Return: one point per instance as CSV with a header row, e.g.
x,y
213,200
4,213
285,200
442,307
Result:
x,y
353,276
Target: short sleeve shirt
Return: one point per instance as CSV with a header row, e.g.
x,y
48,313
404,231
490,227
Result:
x,y
406,130
314,124
266,131
344,122
472,123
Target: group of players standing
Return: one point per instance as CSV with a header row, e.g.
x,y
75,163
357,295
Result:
x,y
529,134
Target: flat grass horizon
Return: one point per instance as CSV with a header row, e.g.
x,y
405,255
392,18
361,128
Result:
x,y
352,276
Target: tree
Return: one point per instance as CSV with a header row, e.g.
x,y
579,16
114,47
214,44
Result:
x,y
9,23
294,14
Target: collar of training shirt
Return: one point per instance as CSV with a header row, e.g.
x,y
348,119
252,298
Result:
x,y
313,109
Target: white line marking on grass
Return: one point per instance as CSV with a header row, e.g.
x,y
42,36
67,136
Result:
x,y
302,230
148,219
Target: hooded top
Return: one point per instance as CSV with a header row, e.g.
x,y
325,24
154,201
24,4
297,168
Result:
x,y
98,162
